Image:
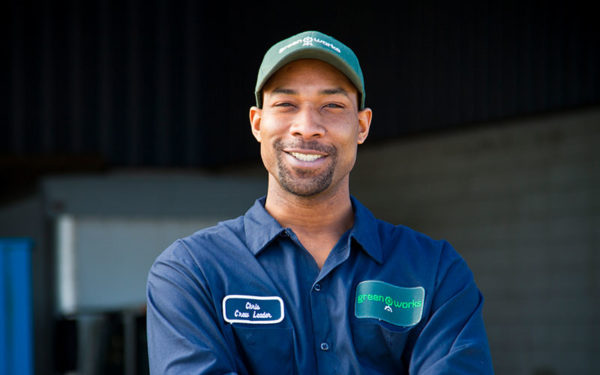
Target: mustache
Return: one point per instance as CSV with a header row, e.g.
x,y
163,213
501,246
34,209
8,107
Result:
x,y
280,145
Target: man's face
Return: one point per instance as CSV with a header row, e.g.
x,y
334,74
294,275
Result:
x,y
309,127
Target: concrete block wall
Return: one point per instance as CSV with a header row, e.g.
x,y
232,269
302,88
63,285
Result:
x,y
520,200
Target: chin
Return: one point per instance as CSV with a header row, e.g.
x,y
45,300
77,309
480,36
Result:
x,y
309,188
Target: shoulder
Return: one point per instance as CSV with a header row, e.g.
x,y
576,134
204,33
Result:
x,y
392,235
399,243
403,244
205,246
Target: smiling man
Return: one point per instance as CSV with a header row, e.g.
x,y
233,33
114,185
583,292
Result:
x,y
307,281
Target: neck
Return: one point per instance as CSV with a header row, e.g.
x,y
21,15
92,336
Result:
x,y
317,221
327,212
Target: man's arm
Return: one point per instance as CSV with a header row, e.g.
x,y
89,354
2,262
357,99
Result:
x,y
184,335
453,340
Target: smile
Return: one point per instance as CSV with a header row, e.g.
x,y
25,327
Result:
x,y
306,157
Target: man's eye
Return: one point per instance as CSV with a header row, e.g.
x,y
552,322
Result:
x,y
333,105
283,104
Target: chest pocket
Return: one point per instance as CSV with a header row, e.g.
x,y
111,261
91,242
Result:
x,y
381,344
266,350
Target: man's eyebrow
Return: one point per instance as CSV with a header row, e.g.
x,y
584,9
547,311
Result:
x,y
282,90
335,91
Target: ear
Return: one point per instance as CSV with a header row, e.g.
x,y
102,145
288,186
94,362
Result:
x,y
364,124
255,117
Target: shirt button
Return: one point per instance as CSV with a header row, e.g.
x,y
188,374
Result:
x,y
324,346
317,287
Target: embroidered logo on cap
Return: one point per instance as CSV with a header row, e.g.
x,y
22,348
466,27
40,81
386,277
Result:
x,y
393,304
308,41
252,309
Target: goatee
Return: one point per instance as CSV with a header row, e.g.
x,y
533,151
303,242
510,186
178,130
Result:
x,y
302,182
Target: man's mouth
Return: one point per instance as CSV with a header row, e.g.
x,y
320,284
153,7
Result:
x,y
305,157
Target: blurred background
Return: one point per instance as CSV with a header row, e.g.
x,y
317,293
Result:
x,y
124,125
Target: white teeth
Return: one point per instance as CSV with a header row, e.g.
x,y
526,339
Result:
x,y
306,157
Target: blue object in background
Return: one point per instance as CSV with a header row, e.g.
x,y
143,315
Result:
x,y
16,334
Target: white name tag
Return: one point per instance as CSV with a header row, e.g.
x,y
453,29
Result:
x,y
252,309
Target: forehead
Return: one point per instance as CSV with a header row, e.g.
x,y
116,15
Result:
x,y
309,72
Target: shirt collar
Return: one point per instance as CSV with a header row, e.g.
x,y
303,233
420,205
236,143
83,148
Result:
x,y
261,229
366,231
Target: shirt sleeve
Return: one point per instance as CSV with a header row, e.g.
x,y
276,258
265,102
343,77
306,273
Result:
x,y
453,340
183,330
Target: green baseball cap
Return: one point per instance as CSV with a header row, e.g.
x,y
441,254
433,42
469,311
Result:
x,y
311,45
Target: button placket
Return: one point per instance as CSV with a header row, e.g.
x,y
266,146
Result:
x,y
321,327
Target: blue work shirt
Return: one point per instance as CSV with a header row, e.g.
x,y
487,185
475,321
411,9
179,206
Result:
x,y
245,297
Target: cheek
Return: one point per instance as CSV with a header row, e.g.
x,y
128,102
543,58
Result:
x,y
265,150
270,130
349,148
350,155
348,136
268,154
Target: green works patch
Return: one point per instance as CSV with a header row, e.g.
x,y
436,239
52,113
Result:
x,y
393,304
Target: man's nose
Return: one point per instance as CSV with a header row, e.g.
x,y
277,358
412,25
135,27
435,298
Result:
x,y
307,124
